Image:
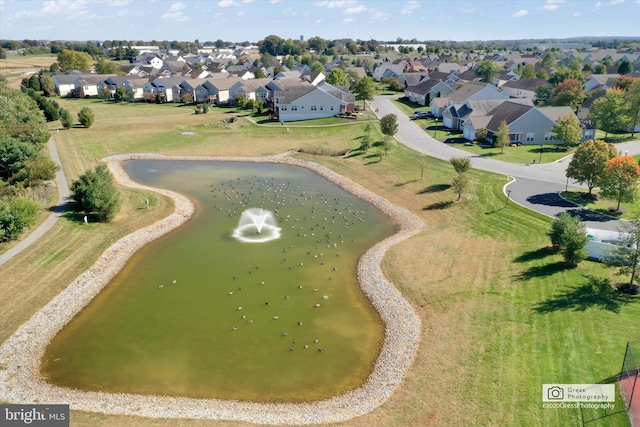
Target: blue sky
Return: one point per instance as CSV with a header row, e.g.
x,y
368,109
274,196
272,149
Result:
x,y
252,20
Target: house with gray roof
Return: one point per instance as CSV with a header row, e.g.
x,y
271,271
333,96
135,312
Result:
x,y
524,88
469,90
312,102
427,90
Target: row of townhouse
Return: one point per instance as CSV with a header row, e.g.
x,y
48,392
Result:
x,y
302,98
474,106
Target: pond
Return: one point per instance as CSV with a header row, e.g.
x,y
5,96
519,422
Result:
x,y
200,313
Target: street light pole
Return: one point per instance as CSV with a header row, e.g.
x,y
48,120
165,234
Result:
x,y
508,197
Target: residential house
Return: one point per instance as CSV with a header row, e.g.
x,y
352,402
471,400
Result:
x,y
251,89
470,90
135,89
218,90
528,125
524,88
114,82
455,115
165,87
427,90
64,83
305,102
87,84
597,82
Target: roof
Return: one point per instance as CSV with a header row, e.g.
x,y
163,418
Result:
x,y
555,113
508,111
65,79
291,94
526,84
94,79
467,90
423,87
252,84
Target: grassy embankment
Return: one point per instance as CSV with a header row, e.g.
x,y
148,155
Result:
x,y
501,314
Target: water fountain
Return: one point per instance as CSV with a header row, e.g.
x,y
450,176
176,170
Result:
x,y
257,225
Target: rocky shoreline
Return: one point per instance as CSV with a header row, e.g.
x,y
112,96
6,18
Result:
x,y
20,355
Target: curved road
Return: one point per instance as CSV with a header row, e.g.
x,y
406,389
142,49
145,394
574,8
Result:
x,y
535,187
57,211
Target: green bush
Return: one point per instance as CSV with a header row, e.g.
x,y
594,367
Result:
x,y
16,214
85,117
97,194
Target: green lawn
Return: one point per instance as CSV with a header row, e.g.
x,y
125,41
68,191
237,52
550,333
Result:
x,y
615,136
522,154
601,204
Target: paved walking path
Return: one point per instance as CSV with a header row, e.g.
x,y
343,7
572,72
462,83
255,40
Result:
x,y
58,209
535,187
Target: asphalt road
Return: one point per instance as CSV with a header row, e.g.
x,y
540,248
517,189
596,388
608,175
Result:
x,y
535,186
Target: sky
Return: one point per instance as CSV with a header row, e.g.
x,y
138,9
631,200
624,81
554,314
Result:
x,y
253,20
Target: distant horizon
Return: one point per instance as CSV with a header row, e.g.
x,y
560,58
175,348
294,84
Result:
x,y
253,20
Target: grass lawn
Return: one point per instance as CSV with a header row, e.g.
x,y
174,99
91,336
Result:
x,y
616,136
601,204
409,107
521,154
501,314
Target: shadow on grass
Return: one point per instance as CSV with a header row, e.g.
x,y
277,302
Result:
x,y
495,210
544,270
435,188
373,158
591,415
597,293
401,184
438,206
537,254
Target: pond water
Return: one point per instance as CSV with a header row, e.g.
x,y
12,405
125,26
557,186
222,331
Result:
x,y
200,313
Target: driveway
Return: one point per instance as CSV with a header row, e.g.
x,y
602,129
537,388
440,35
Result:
x,y
535,187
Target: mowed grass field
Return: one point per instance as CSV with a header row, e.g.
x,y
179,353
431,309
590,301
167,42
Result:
x,y
501,314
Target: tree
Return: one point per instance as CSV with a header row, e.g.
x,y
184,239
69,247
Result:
x,y
104,66
610,111
51,112
568,92
459,184
73,60
65,118
548,60
632,96
589,162
567,129
563,74
625,67
48,86
488,71
619,181
543,93
186,98
393,84
502,138
528,72
389,125
600,69
34,83
338,77
96,193
86,117
460,164
366,138
626,253
120,95
365,90
542,74
260,74
568,235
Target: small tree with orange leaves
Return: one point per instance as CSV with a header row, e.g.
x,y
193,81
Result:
x,y
620,179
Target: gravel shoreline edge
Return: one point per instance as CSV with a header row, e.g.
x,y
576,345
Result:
x,y
20,355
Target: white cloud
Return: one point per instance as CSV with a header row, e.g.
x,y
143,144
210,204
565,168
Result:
x,y
520,13
377,15
577,14
550,6
409,7
353,10
241,13
118,2
336,4
612,2
274,1
598,4
467,10
348,20
175,13
226,3
290,12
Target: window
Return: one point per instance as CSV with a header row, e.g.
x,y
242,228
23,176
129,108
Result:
x,y
283,108
294,108
313,108
549,136
531,137
515,137
321,108
332,108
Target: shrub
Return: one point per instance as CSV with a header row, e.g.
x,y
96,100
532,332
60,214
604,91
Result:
x,y
85,117
16,214
96,193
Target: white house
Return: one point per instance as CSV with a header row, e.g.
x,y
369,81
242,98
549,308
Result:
x,y
469,90
310,102
524,88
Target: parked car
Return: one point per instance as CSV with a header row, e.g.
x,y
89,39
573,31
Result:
x,y
421,115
